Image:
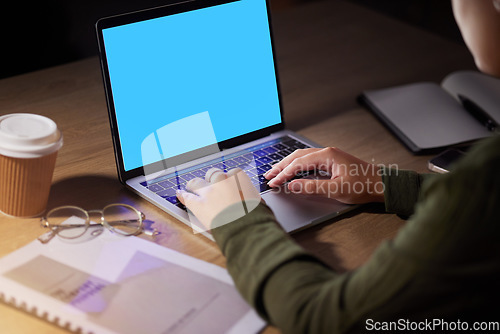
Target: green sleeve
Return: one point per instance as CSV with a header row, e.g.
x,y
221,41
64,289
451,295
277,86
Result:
x,y
278,277
295,291
442,264
402,190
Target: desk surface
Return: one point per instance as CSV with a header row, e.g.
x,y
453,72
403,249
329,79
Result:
x,y
327,52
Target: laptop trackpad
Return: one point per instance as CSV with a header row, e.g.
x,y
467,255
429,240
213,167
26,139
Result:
x,y
295,211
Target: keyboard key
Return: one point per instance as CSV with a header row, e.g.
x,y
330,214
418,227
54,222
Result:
x,y
178,182
167,192
181,206
279,147
251,172
240,160
245,167
262,179
230,163
155,187
173,199
275,156
265,168
219,165
297,146
263,187
259,185
199,173
187,176
287,151
260,171
181,185
259,153
255,181
270,150
248,156
290,142
265,160
166,184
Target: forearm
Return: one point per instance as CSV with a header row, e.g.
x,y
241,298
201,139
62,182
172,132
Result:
x,y
285,284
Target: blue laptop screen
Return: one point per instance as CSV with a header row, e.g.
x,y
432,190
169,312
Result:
x,y
189,80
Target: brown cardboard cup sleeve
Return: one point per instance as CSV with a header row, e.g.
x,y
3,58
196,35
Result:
x,y
28,149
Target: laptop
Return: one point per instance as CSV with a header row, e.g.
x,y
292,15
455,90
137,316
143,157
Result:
x,y
191,86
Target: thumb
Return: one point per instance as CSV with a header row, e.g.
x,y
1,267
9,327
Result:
x,y
313,187
187,198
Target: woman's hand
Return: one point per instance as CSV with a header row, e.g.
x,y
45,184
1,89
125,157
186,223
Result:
x,y
207,198
352,181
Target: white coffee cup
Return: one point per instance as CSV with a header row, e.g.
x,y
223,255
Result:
x,y
28,149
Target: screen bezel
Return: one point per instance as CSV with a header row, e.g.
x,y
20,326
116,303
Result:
x,y
153,13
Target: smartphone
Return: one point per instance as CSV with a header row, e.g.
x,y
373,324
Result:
x,y
442,162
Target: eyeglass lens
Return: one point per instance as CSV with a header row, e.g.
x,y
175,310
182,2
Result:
x,y
70,222
123,219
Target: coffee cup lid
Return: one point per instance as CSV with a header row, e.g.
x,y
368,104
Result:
x,y
28,136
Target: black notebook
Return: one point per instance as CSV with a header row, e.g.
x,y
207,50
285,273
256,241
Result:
x,y
428,117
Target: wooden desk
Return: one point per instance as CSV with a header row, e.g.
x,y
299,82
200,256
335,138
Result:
x,y
327,52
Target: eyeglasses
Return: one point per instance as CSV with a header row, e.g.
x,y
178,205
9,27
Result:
x,y
71,222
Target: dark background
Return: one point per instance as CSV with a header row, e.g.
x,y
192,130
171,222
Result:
x,y
37,35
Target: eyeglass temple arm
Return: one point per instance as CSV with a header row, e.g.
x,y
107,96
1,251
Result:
x,y
127,221
61,227
147,231
45,238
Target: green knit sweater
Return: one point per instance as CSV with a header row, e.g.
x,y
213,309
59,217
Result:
x,y
443,265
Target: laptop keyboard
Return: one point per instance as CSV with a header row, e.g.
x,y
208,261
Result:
x,y
255,161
